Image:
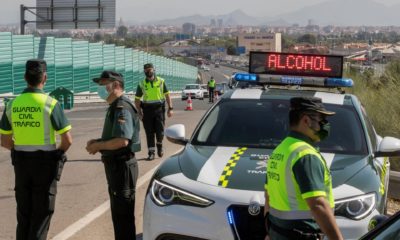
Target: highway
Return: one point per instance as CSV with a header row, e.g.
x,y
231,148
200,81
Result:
x,y
82,207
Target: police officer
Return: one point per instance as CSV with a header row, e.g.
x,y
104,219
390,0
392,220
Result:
x,y
28,128
117,145
298,198
154,92
211,88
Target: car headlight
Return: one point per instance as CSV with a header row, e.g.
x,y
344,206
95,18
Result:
x,y
164,194
356,207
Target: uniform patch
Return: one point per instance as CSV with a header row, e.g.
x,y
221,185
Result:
x,y
121,119
227,172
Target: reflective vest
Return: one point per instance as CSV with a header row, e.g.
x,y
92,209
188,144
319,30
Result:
x,y
211,83
153,91
29,116
285,199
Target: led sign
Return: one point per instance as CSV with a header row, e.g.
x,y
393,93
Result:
x,y
293,64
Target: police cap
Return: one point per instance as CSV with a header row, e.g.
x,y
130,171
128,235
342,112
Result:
x,y
305,104
148,65
35,66
109,75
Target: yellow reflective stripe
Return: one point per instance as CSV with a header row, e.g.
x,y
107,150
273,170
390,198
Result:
x,y
166,93
313,194
228,169
66,129
138,98
5,132
383,175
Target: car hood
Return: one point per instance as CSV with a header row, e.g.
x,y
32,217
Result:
x,y
245,168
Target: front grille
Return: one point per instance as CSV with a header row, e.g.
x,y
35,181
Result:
x,y
244,225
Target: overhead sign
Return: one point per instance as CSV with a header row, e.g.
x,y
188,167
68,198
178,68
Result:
x,y
294,64
75,14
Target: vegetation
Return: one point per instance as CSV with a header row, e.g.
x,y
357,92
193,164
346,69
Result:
x,y
380,97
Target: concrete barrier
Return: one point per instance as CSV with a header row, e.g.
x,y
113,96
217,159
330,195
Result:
x,y
394,185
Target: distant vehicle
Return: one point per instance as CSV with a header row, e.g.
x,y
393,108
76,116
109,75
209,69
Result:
x,y
205,68
205,90
216,64
194,90
221,88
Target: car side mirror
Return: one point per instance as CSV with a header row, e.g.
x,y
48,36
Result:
x,y
176,134
389,147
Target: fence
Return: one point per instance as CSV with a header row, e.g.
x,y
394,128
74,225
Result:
x,y
72,64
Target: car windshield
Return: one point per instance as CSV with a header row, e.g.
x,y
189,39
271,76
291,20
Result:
x,y
192,87
264,124
219,86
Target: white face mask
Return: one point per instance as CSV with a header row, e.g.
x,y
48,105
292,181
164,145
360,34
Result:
x,y
102,92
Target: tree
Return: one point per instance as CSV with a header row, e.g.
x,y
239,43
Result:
x,y
307,38
231,50
122,31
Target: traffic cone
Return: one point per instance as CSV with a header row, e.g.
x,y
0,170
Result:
x,y
189,104
216,96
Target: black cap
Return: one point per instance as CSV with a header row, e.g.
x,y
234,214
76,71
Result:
x,y
148,65
35,66
109,75
304,104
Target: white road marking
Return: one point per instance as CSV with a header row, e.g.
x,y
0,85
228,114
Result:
x,y
97,212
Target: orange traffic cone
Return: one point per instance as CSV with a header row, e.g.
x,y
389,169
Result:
x,y
216,96
189,104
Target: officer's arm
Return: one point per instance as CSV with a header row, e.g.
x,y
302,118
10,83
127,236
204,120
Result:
x,y
66,141
7,141
112,144
323,215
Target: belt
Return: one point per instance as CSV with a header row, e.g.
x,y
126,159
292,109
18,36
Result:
x,y
295,233
125,157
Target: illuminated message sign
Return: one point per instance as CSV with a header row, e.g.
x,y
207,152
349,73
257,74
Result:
x,y
294,64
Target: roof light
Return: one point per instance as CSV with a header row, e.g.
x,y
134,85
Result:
x,y
339,82
245,77
294,80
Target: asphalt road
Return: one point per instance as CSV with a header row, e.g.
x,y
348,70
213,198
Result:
x,y
82,208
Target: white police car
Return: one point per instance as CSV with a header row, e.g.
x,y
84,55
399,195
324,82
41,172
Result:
x,y
214,187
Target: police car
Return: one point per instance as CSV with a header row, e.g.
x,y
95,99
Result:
x,y
214,187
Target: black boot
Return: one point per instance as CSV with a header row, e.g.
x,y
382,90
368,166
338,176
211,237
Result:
x,y
151,156
160,150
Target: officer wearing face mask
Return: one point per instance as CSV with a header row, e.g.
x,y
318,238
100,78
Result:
x,y
154,92
117,145
298,190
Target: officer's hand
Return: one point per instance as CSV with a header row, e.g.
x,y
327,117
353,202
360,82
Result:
x,y
91,148
266,237
140,113
169,113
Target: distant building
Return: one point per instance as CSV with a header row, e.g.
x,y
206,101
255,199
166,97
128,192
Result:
x,y
260,42
189,28
220,23
213,23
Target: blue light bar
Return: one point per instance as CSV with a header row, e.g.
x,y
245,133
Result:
x,y
339,82
246,77
230,217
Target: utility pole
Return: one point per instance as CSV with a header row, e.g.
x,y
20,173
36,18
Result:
x,y
22,19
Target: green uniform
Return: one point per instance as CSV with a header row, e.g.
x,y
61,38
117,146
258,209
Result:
x,y
296,171
120,165
211,88
33,118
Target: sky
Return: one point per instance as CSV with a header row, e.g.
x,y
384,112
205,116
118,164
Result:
x,y
135,11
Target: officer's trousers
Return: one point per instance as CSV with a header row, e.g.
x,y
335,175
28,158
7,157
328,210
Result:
x,y
121,176
35,193
153,122
211,94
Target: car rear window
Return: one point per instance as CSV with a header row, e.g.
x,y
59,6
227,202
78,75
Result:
x,y
264,123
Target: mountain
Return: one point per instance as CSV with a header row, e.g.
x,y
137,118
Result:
x,y
346,13
237,17
331,12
